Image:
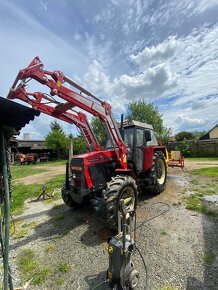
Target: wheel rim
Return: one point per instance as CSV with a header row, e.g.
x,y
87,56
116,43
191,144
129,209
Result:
x,y
134,281
160,171
128,192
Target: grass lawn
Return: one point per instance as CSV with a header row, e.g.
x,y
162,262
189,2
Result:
x,y
210,172
19,171
200,189
60,162
21,192
201,159
25,170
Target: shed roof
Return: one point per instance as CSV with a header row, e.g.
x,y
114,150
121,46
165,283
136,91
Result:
x,y
14,115
207,135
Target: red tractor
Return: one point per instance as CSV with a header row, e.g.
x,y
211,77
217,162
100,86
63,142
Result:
x,y
132,160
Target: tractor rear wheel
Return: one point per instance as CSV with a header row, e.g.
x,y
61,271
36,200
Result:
x,y
120,187
158,173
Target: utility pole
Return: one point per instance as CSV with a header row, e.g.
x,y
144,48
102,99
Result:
x,y
71,146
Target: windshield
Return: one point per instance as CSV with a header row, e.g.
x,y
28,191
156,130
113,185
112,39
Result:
x,y
128,139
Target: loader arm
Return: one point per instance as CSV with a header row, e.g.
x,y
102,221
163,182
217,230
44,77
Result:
x,y
65,111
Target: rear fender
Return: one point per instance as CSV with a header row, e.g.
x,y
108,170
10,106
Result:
x,y
148,157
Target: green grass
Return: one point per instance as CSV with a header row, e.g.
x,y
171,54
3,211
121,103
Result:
x,y
193,202
21,192
31,268
210,172
201,159
209,258
23,171
27,263
163,233
49,248
167,287
63,267
40,276
60,162
59,217
60,281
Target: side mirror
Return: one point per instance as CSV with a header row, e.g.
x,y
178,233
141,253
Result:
x,y
147,135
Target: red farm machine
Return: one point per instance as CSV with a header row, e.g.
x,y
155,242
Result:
x,y
132,160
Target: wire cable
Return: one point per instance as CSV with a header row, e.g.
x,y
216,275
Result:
x,y
141,227
143,261
146,221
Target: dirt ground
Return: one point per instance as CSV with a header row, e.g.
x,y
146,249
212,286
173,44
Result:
x,y
174,245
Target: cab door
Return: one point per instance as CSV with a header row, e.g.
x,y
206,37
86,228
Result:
x,y
139,149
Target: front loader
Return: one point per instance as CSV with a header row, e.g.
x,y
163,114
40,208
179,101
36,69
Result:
x,y
131,162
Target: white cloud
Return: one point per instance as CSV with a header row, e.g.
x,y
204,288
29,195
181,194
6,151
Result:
x,y
155,54
151,83
185,122
96,79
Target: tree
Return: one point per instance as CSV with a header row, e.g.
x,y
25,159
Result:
x,y
79,145
198,134
99,130
184,135
184,147
57,140
146,112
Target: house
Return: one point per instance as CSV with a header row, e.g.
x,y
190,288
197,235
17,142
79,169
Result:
x,y
211,135
33,144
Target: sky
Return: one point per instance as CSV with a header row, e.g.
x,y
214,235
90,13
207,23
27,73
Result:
x,y
121,50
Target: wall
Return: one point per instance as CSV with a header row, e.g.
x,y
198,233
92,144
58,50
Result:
x,y
214,132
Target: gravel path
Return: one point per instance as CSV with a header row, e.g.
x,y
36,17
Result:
x,y
174,245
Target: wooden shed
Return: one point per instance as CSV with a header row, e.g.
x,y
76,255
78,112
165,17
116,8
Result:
x,y
13,117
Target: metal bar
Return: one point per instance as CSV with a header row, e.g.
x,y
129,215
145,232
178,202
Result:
x,y
72,83
7,212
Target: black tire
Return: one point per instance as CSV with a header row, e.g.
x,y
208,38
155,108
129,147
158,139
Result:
x,y
158,173
121,186
67,198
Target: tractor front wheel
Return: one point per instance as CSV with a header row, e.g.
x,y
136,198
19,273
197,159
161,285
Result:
x,y
120,187
67,198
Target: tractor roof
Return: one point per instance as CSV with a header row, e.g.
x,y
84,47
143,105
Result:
x,y
129,123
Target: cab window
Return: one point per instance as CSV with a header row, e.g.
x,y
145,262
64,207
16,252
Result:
x,y
139,137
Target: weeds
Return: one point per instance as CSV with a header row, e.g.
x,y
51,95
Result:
x,y
49,248
31,269
27,263
60,281
163,233
63,267
40,277
209,258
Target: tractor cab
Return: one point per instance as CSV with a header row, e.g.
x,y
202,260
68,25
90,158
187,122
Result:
x,y
139,138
